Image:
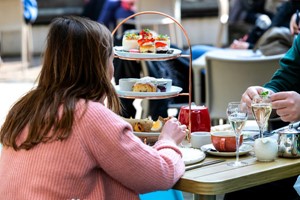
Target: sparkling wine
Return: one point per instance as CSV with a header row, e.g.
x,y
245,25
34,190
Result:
x,y
261,112
237,123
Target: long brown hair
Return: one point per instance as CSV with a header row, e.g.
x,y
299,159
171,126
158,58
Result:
x,y
75,67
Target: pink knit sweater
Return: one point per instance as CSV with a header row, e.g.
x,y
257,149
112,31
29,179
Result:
x,y
102,159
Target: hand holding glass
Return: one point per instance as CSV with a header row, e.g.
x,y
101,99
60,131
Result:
x,y
237,114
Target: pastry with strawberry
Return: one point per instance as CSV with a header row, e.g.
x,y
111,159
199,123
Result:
x,y
146,43
162,43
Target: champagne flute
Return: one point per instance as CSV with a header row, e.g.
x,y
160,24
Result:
x,y
237,116
261,108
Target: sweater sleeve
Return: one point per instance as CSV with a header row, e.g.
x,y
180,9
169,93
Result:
x,y
116,150
287,78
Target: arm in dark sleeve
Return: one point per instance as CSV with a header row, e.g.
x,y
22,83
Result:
x,y
287,78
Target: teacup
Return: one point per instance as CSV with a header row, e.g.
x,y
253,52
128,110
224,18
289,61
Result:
x,y
225,141
198,139
200,119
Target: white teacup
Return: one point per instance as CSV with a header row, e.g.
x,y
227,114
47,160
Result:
x,y
199,139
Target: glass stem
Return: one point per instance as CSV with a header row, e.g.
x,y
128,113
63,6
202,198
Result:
x,y
261,131
237,146
291,126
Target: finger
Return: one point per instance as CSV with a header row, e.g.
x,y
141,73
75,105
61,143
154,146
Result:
x,y
183,126
278,96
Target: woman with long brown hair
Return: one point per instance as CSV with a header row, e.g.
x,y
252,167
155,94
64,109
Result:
x,y
65,140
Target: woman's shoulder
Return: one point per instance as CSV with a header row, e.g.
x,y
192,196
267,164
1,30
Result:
x,y
95,111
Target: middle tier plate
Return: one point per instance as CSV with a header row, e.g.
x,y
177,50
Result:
x,y
146,134
155,95
174,53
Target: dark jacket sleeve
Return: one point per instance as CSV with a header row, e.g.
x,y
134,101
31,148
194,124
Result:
x,y
287,78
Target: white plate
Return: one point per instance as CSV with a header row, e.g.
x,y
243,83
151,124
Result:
x,y
191,156
119,52
244,149
174,90
146,134
249,134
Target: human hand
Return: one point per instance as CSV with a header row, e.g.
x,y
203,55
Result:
x,y
173,131
251,92
294,27
287,105
239,44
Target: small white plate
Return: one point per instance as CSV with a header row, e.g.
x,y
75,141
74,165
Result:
x,y
173,91
120,52
146,134
244,149
191,155
249,134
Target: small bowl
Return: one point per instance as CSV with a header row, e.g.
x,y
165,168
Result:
x,y
163,84
200,138
126,84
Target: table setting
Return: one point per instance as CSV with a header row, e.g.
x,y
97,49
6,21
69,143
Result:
x,y
241,137
240,154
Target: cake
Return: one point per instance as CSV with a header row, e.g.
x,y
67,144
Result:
x,y
140,125
147,48
145,84
146,42
130,42
162,43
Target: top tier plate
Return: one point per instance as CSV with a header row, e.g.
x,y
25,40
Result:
x,y
146,56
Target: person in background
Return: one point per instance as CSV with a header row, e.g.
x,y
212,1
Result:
x,y
280,19
113,10
92,8
30,10
249,11
284,89
64,139
252,12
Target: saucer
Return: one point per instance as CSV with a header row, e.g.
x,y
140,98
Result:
x,y
191,155
210,149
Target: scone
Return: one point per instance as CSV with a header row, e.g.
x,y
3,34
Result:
x,y
140,125
145,84
144,87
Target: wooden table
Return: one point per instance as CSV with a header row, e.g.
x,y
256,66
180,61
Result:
x,y
209,181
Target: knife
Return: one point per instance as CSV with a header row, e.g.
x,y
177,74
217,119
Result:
x,y
203,164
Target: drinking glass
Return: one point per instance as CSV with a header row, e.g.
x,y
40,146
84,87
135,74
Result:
x,y
237,114
261,109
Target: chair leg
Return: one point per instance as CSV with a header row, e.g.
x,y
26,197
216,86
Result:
x,y
24,47
0,48
29,44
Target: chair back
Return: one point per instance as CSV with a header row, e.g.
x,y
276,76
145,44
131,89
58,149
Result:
x,y
223,15
228,76
170,194
158,22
